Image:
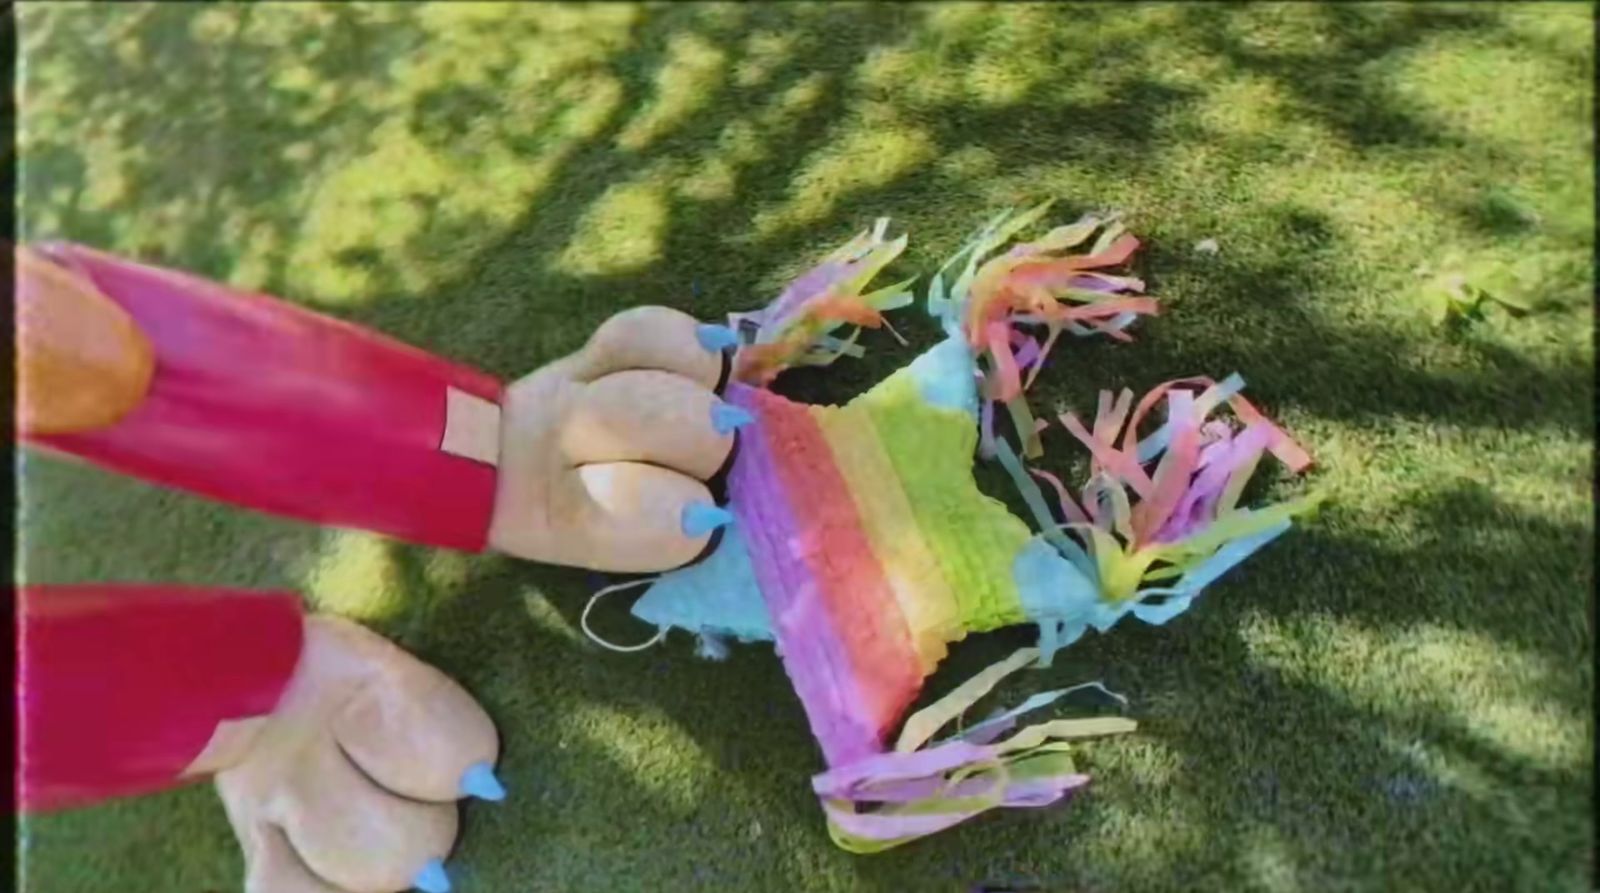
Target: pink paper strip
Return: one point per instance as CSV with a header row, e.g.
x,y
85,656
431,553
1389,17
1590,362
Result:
x,y
1121,464
1008,382
1069,506
1173,473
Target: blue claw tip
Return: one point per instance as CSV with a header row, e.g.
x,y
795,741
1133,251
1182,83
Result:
x,y
432,879
726,418
716,338
700,519
479,781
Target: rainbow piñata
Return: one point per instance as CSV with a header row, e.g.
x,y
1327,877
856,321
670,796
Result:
x,y
862,547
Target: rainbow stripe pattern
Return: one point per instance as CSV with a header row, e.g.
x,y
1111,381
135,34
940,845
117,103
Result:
x,y
873,548
862,548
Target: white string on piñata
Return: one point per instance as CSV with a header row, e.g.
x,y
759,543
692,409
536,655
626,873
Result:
x,y
583,619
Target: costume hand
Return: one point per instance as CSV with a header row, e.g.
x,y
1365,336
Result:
x,y
350,785
604,454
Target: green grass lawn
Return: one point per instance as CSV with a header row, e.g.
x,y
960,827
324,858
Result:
x,y
1395,696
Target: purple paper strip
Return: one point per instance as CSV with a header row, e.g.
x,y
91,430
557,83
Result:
x,y
987,735
1033,792
1196,507
1100,283
915,789
842,781
1091,284
808,285
1028,354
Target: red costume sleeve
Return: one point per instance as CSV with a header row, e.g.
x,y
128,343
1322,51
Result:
x,y
120,687
264,404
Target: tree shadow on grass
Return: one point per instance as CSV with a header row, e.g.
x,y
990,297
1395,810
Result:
x,y
1326,78
171,83
1266,313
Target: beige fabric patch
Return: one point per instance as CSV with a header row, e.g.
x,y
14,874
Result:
x,y
471,427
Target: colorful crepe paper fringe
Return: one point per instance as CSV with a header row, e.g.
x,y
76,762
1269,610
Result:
x,y
1162,510
918,789
797,328
995,301
863,543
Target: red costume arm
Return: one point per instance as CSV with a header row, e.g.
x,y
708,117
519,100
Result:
x,y
120,687
264,404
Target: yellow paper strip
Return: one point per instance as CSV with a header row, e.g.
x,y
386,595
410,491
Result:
x,y
927,722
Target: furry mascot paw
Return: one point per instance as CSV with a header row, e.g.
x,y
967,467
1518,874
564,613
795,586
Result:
x,y
337,755
604,454
349,786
